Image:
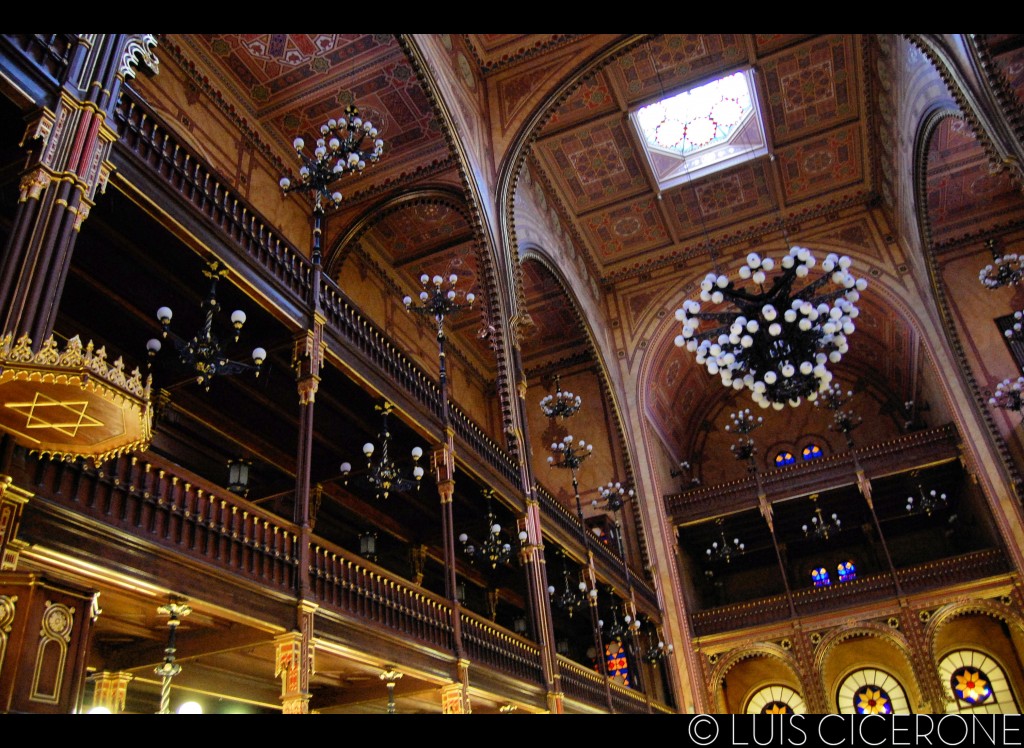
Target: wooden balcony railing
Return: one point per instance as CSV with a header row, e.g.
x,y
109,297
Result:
x,y
627,701
343,582
875,588
496,648
150,499
582,684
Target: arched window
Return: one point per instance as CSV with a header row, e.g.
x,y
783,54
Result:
x,y
820,577
871,691
783,458
811,452
847,571
977,682
776,699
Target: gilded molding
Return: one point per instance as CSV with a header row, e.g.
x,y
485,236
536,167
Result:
x,y
55,635
7,614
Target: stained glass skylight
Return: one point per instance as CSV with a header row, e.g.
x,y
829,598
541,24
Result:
x,y
706,128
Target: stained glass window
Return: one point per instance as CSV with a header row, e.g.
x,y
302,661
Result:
x,y
820,577
977,682
847,571
812,451
871,691
618,664
776,699
784,458
872,699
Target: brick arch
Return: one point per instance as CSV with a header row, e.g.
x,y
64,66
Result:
x,y
734,657
1000,611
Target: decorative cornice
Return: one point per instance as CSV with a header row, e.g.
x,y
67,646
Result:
x,y
508,61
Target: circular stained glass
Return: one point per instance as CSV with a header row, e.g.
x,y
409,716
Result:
x,y
784,458
776,707
971,685
872,699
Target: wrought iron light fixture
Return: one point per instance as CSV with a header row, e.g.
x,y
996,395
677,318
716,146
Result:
x,y
204,352
495,549
1015,331
843,421
928,503
345,146
571,598
723,552
821,527
439,299
1008,395
776,342
1005,270
383,474
743,422
561,404
167,669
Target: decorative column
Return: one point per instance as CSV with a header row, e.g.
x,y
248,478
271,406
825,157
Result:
x,y
294,662
169,668
531,555
110,690
69,162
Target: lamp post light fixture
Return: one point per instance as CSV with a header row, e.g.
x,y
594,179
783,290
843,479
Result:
x,y
561,404
1005,270
383,474
928,503
390,676
167,669
1008,395
776,342
204,351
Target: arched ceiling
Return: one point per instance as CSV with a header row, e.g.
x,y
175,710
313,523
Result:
x,y
632,244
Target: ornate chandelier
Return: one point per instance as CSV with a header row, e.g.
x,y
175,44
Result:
x,y
495,549
743,422
776,342
383,474
1016,330
1005,270
843,421
821,527
723,552
346,145
204,352
1008,395
560,404
928,502
570,600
